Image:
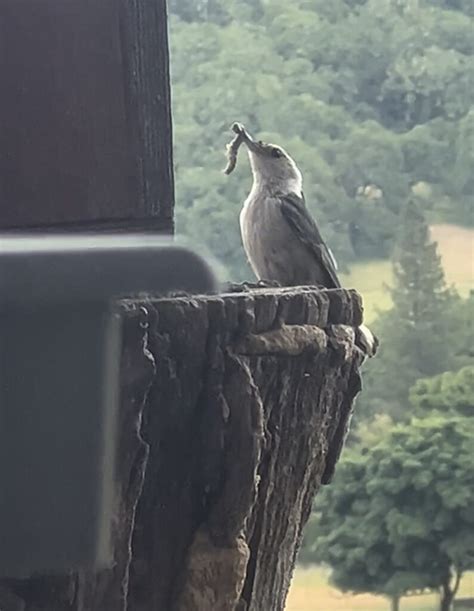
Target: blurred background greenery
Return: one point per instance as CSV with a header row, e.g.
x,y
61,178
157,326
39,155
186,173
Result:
x,y
374,100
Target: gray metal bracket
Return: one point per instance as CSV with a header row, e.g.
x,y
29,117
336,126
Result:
x,y
60,349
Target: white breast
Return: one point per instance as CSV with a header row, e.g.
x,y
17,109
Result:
x,y
247,227
265,236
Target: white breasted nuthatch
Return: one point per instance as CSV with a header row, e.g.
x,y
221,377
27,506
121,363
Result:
x,y
283,244
281,239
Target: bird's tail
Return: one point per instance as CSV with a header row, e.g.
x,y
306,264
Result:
x,y
367,341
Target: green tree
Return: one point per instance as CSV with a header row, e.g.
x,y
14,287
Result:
x,y
417,333
447,391
397,516
463,333
461,182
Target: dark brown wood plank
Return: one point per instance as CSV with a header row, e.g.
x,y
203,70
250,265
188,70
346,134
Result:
x,y
145,50
85,124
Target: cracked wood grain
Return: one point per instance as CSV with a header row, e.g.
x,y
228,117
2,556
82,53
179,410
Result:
x,y
297,349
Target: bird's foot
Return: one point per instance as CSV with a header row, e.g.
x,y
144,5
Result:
x,y
237,287
269,284
241,287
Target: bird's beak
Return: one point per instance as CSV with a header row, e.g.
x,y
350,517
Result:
x,y
252,145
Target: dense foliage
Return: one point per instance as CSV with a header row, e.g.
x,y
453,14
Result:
x,y
373,98
398,515
449,391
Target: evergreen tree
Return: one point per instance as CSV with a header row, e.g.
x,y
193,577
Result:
x,y
417,333
448,391
464,331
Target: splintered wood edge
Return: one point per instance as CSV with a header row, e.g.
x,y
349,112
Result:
x,y
268,308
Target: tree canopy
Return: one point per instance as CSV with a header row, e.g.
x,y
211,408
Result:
x,y
398,515
448,391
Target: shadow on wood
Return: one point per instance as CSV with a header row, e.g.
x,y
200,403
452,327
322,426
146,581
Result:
x,y
234,410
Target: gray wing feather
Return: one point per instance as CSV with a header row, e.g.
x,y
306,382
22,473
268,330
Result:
x,y
299,219
333,258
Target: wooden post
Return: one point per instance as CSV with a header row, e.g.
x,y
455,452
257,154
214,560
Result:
x,y
233,408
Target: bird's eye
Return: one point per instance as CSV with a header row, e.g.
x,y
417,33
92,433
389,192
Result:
x,y
276,153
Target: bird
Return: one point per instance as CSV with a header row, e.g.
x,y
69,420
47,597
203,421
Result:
x,y
281,239
283,244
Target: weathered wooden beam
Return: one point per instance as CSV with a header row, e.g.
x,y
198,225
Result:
x,y
85,116
233,410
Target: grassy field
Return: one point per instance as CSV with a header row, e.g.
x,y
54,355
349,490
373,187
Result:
x,y
311,591
456,247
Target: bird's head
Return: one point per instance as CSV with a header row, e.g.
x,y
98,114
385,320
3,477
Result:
x,y
271,164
